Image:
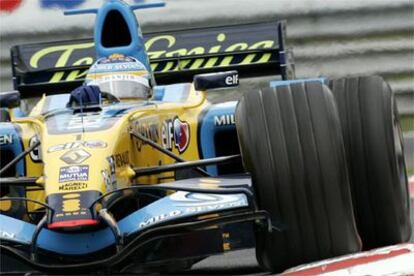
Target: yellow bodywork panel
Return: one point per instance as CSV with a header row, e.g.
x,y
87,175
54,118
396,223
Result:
x,y
84,157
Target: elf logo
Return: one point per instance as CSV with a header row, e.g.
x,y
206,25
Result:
x,y
232,80
175,132
92,144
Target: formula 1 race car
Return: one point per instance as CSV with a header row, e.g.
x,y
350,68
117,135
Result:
x,y
123,165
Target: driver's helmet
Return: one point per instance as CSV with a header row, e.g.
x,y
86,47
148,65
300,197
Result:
x,y
122,76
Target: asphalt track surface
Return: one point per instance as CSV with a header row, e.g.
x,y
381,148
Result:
x,y
241,262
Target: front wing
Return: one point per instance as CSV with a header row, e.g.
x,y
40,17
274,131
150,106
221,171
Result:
x,y
200,209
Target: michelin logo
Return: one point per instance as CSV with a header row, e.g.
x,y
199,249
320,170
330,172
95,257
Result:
x,y
187,199
189,204
74,173
224,120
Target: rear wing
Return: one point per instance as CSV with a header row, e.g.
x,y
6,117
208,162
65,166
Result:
x,y
252,49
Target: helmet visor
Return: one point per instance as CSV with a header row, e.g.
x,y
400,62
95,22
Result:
x,y
125,86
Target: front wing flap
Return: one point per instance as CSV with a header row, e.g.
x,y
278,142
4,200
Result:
x,y
181,212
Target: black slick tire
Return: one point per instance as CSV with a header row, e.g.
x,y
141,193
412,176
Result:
x,y
291,143
374,148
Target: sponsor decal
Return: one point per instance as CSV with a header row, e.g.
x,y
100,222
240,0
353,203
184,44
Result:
x,y
115,58
74,186
189,199
120,159
117,62
205,202
95,144
82,121
118,76
71,205
190,210
167,46
175,132
35,154
232,80
7,235
75,156
195,203
224,120
92,144
181,134
6,139
214,207
148,130
74,173
75,213
159,218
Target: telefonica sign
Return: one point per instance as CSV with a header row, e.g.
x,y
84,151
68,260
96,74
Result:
x,y
160,46
168,52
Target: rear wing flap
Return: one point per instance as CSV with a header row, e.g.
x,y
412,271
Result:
x,y
256,49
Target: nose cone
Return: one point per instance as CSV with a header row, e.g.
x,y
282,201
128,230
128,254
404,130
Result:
x,y
72,211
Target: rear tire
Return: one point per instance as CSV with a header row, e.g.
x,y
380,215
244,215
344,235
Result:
x,y
291,142
373,143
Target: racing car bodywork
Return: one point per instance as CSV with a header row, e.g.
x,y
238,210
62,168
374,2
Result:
x,y
126,185
84,163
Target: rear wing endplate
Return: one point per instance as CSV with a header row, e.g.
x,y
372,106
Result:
x,y
252,49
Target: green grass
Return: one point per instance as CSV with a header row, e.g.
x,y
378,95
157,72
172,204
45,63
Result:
x,y
407,123
410,171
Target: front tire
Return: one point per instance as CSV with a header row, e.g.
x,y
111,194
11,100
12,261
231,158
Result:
x,y
374,147
291,142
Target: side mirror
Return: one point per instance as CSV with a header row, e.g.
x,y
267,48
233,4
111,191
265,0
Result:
x,y
227,79
10,99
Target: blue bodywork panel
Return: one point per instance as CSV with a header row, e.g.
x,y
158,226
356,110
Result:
x,y
175,206
136,47
11,142
217,118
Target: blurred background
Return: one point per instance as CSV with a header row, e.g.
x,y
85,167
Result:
x,y
329,37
